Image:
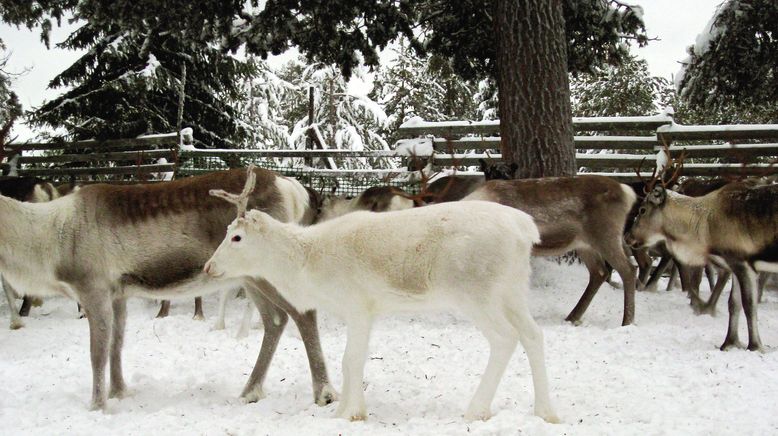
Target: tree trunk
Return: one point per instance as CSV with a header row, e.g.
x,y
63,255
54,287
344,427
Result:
x,y
533,90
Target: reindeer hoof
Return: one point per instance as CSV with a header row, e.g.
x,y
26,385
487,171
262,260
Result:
x,y
16,324
199,317
97,405
352,414
756,347
218,326
253,395
477,415
730,344
327,395
574,321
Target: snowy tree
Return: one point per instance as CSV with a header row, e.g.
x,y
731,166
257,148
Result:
x,y
129,84
342,119
526,45
427,87
264,107
625,90
734,62
10,109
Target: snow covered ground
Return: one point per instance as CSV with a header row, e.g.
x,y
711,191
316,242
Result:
x,y
664,375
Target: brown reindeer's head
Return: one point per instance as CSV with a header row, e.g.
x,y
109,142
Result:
x,y
499,170
646,229
647,226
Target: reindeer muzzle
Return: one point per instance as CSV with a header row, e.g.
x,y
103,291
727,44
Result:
x,y
211,270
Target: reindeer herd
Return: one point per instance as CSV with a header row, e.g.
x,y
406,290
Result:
x,y
462,243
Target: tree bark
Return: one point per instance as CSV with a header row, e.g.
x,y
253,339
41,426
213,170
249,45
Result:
x,y
533,89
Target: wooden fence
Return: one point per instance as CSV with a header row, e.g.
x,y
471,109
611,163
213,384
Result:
x,y
145,158
613,147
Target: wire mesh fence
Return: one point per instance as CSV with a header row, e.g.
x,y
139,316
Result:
x,y
347,182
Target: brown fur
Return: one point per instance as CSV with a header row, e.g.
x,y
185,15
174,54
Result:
x,y
145,201
737,224
452,188
584,213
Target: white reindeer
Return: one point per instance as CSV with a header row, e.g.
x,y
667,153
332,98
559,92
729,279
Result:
x,y
471,256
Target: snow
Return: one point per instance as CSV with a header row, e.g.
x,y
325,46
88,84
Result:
x,y
151,67
664,375
418,122
414,147
678,128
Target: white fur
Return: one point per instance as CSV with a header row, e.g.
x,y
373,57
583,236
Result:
x,y
469,256
295,201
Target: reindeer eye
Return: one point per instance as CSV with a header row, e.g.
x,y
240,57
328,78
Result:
x,y
642,210
236,238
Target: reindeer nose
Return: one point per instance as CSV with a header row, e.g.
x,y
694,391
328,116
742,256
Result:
x,y
207,268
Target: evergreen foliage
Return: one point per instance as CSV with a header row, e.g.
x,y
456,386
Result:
x,y
128,84
10,108
412,86
733,65
343,119
625,90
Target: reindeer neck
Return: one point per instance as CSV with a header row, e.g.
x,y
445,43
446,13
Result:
x,y
28,231
686,226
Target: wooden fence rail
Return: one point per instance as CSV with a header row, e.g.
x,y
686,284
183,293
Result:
x,y
613,147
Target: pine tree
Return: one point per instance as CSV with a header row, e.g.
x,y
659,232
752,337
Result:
x,y
427,87
127,85
264,108
10,109
731,73
625,90
342,120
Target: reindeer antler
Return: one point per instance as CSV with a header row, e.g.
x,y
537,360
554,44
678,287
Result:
x,y
240,201
674,164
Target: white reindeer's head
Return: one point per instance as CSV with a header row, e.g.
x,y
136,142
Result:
x,y
239,254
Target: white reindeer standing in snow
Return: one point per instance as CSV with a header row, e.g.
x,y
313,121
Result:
x,y
471,256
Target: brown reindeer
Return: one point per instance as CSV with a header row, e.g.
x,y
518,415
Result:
x,y
105,243
583,213
735,226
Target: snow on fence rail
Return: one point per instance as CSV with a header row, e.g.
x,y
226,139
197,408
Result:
x,y
616,147
145,158
613,147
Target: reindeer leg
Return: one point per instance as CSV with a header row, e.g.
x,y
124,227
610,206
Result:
x,y
710,275
100,317
597,274
732,340
164,309
613,253
323,392
722,278
198,314
274,320
690,283
117,387
673,279
644,266
223,296
10,295
747,278
660,269
763,278
26,306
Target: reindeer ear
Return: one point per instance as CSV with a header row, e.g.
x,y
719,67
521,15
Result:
x,y
657,196
484,165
